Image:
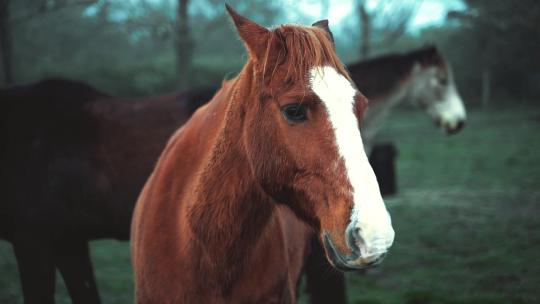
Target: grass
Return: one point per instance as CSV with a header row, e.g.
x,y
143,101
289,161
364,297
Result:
x,y
466,219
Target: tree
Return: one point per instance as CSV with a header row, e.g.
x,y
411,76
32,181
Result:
x,y
325,8
6,42
387,19
9,21
184,45
365,30
507,40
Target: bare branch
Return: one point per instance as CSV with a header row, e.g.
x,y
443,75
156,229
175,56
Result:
x,y
401,17
55,6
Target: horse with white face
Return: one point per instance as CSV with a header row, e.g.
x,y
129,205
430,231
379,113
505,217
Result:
x,y
421,76
227,215
424,78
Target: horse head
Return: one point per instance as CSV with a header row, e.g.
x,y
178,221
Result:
x,y
434,89
301,135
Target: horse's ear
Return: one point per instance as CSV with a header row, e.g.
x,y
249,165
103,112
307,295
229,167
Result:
x,y
431,54
254,35
324,25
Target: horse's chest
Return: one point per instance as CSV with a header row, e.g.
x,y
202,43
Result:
x,y
266,290
272,270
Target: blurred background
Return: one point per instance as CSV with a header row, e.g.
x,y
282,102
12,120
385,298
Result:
x,y
466,214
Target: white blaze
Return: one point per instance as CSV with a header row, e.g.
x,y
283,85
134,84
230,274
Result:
x,y
369,213
451,109
443,101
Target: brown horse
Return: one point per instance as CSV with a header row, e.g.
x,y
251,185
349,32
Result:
x,y
43,121
73,162
276,154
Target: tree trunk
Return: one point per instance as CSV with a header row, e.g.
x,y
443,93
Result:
x,y
486,86
5,42
365,24
103,13
325,8
184,45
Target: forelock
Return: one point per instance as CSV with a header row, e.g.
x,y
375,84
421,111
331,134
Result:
x,y
300,48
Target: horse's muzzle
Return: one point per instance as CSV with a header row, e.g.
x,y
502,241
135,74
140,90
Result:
x,y
453,129
350,262
450,127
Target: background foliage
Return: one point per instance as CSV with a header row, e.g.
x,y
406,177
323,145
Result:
x,y
137,47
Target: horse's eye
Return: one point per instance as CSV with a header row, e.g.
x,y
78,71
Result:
x,y
443,80
295,112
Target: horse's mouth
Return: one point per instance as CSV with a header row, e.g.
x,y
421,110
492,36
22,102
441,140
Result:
x,y
450,128
350,262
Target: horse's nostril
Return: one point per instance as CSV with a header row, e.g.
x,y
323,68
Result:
x,y
460,125
355,240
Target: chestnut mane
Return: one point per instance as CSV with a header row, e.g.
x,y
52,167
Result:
x,y
301,48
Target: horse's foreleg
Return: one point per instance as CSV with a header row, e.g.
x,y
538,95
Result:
x,y
36,269
323,283
73,261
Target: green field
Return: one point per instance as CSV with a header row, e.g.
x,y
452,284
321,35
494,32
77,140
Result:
x,y
467,219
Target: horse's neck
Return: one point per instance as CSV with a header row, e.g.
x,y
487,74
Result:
x,y
227,202
380,107
228,224
230,216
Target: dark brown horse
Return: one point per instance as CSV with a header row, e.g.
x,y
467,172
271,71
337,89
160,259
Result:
x,y
276,155
73,162
39,153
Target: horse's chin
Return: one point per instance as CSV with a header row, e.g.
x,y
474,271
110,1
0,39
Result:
x,y
348,262
450,127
